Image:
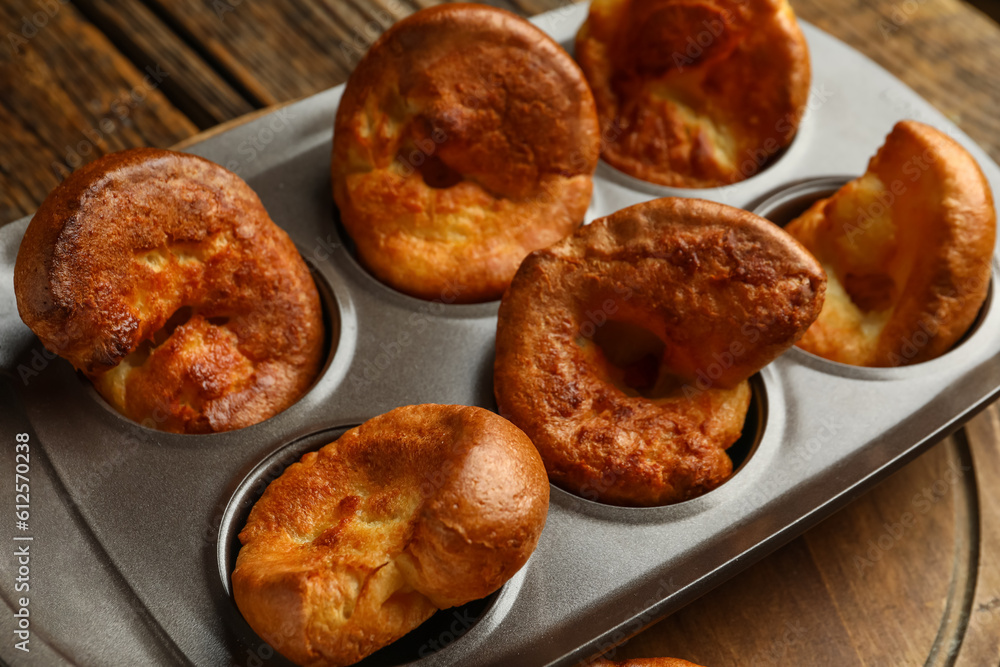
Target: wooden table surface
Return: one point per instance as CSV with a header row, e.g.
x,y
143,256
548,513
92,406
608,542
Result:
x,y
907,575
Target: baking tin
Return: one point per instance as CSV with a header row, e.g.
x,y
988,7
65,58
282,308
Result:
x,y
133,530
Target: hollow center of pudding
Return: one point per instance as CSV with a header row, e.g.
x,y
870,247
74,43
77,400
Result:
x,y
870,256
140,355
437,174
180,317
870,291
635,359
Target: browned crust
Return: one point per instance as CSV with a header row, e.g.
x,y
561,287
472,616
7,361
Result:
x,y
128,240
940,254
725,290
424,507
486,98
742,67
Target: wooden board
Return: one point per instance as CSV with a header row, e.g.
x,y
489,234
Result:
x,y
197,89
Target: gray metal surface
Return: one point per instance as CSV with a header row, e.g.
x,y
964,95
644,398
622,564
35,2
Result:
x,y
133,529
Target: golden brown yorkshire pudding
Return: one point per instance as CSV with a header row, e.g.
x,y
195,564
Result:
x,y
624,350
419,509
694,93
465,139
907,250
162,278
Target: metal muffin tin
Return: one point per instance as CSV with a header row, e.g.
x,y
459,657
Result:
x,y
134,530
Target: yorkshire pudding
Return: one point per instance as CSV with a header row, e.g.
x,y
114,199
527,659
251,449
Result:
x,y
465,139
162,278
419,509
907,250
624,350
694,93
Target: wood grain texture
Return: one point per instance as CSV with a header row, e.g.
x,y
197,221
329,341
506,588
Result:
x,y
200,92
276,50
67,96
